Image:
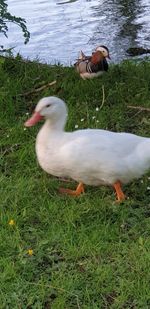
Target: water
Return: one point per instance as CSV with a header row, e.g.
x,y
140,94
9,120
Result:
x,y
61,28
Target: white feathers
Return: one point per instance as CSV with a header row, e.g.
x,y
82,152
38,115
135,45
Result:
x,y
90,156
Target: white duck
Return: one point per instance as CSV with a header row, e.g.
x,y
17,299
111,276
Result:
x,y
88,156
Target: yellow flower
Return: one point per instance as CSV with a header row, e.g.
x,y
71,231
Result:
x,y
30,252
11,222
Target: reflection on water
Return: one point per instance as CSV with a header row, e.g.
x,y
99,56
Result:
x,y
60,28
67,2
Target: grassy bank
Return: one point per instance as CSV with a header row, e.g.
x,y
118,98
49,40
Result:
x,y
56,251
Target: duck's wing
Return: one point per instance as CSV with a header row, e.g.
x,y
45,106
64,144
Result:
x,y
81,67
94,143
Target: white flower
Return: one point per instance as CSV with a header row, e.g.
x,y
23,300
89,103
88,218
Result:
x,y
148,178
8,135
27,114
97,109
24,129
76,126
82,119
93,117
148,188
97,120
122,226
142,181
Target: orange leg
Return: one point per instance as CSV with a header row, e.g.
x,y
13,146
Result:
x,y
78,191
119,192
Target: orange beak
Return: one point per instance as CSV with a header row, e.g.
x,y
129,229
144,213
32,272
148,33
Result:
x,y
36,117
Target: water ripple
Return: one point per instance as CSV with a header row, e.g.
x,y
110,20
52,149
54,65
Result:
x,y
59,29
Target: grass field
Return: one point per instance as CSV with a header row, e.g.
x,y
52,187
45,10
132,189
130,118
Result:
x,y
56,251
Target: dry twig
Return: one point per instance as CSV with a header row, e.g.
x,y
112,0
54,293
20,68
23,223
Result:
x,y
39,89
103,99
140,108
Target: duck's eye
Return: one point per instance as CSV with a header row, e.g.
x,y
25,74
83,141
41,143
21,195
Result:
x,y
48,105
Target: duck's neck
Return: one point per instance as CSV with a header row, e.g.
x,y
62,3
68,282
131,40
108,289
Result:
x,y
54,126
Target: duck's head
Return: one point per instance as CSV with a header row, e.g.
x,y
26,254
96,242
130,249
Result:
x,y
51,108
104,50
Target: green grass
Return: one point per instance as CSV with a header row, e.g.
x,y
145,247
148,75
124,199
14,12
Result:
x,y
88,252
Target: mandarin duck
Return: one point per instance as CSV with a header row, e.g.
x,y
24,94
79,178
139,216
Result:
x,y
94,65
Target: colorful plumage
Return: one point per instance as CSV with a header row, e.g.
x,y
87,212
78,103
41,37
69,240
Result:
x,y
94,65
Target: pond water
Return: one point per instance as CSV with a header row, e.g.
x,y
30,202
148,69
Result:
x,y
61,28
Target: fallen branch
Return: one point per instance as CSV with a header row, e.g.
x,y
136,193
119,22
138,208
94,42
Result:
x,y
140,108
39,89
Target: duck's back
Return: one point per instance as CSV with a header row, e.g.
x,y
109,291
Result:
x,y
92,156
100,156
119,143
